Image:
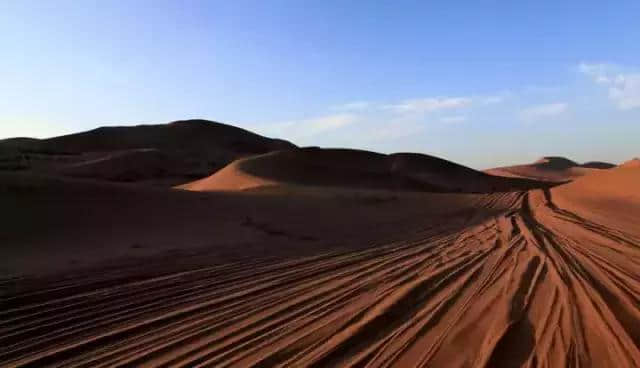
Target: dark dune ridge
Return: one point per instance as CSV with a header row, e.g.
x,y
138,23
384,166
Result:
x,y
165,154
357,169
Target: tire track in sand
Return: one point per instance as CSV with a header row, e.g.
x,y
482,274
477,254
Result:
x,y
536,285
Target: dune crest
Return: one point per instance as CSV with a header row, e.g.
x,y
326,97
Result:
x,y
356,169
551,168
161,154
634,162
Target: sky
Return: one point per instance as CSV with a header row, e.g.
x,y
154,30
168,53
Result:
x,y
483,83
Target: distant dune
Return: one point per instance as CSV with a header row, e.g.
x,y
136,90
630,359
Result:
x,y
356,169
611,196
622,182
635,162
598,165
551,168
165,154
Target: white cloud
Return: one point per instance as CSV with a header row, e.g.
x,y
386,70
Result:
x,y
543,111
328,122
391,120
489,100
624,88
393,131
429,104
453,119
353,106
596,70
307,128
625,91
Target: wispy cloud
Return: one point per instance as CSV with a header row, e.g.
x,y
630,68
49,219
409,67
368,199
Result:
x,y
490,100
623,87
599,72
328,122
306,128
384,121
543,111
392,131
625,90
453,119
353,106
429,104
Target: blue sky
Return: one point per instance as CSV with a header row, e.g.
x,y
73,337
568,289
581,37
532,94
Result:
x,y
483,83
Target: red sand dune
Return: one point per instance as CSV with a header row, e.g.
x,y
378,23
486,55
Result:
x,y
551,168
355,169
635,162
611,197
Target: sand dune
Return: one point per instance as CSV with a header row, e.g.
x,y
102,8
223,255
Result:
x,y
289,257
356,169
611,197
551,168
520,279
635,162
165,154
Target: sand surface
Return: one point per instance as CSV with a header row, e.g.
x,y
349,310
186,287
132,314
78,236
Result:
x,y
98,275
635,162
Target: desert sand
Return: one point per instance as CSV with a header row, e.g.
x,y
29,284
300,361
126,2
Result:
x,y
371,260
635,162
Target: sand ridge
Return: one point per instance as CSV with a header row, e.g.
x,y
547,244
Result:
x,y
551,168
356,169
159,155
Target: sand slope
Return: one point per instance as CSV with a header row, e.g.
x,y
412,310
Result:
x,y
551,168
635,162
517,279
356,169
612,197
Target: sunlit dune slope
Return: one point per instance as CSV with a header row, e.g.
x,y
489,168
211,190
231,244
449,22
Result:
x,y
635,162
612,197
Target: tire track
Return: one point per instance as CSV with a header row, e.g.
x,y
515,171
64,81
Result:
x,y
533,285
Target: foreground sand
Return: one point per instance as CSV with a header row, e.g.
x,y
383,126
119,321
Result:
x,y
537,278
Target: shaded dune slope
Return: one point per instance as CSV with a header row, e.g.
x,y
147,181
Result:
x,y
551,168
356,169
173,153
